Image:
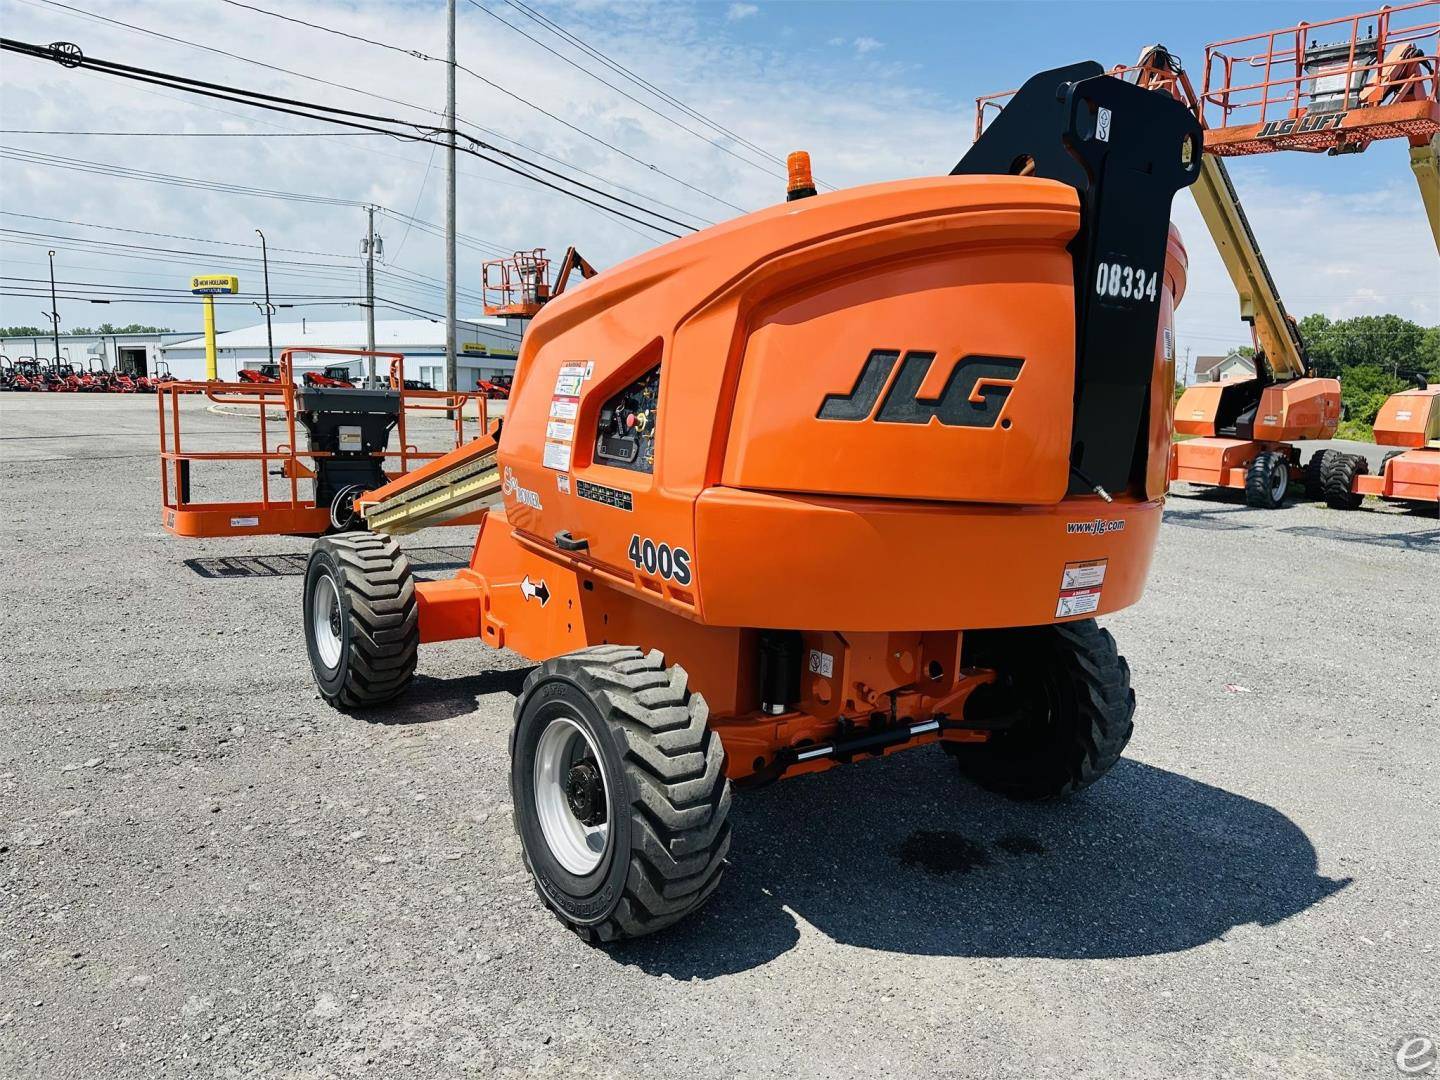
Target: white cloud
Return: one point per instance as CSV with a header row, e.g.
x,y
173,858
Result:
x,y
737,12
864,45
837,41
1342,254
1365,253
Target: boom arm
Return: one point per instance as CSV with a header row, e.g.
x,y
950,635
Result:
x,y
1277,339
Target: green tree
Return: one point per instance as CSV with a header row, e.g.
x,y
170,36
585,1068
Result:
x,y
1387,342
103,328
1364,388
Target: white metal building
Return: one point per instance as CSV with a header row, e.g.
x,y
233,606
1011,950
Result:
x,y
485,347
135,354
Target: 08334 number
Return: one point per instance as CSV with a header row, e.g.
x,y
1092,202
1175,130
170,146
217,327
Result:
x,y
1116,281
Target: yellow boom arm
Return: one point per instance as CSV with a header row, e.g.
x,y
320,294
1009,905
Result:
x,y
1260,303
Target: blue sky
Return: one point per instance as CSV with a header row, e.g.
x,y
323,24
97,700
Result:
x,y
874,91
961,50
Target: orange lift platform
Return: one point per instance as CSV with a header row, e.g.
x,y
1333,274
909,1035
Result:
x,y
347,452
1409,421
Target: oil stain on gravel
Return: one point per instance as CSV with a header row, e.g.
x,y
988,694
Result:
x,y
1020,844
940,853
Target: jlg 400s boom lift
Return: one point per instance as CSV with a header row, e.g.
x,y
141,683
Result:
x,y
840,477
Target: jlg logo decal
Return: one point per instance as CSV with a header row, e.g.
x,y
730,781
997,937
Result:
x,y
973,396
1277,129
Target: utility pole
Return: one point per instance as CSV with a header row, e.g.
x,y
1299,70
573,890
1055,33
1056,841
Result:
x,y
54,311
269,309
369,246
451,374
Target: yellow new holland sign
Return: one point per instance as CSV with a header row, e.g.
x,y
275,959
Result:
x,y
209,284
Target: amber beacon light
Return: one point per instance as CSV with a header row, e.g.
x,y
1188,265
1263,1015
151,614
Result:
x,y
801,184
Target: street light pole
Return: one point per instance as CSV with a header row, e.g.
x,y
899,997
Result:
x,y
451,374
370,294
54,311
269,310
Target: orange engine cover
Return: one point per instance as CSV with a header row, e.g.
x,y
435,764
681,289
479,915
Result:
x,y
882,374
1410,418
1299,409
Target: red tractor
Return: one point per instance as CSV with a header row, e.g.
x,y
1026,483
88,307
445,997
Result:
x,y
495,391
28,376
337,377
264,375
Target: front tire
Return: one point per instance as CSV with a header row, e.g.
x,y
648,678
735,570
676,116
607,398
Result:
x,y
1338,481
619,792
1267,480
362,626
1063,705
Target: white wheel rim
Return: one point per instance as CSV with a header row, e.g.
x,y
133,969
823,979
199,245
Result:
x,y
1279,482
576,846
325,618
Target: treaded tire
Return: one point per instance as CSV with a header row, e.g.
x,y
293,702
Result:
x,y
664,775
1338,480
1314,473
1267,480
374,619
1065,691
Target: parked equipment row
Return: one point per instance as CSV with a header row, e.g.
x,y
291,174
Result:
x,y
31,375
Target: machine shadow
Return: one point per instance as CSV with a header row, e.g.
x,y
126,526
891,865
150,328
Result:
x,y
903,856
430,700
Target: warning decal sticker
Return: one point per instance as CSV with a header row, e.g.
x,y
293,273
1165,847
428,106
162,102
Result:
x,y
564,407
1080,585
557,456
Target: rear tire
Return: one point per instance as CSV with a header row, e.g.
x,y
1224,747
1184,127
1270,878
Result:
x,y
1338,480
362,626
619,792
1064,692
1267,480
1314,473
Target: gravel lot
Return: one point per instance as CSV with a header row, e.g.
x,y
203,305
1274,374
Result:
x,y
204,871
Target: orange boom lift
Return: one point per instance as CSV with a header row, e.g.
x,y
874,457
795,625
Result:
x,y
1334,86
845,476
1410,421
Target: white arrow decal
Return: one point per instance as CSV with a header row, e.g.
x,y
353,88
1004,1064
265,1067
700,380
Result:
x,y
538,591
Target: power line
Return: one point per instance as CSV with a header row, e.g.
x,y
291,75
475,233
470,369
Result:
x,y
126,172
44,294
310,274
628,96
345,118
173,236
192,134
77,12
417,54
307,271
639,80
